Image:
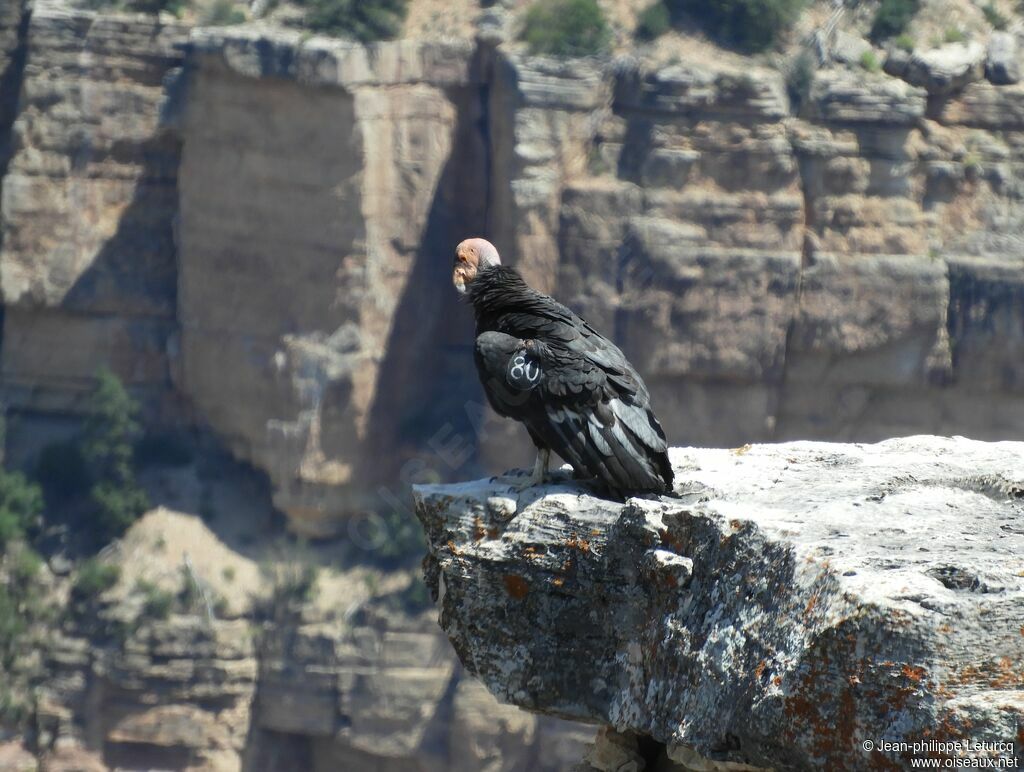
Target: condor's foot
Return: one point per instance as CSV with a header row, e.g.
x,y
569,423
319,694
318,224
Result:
x,y
539,475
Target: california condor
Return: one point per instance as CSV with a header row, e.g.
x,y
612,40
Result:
x,y
544,366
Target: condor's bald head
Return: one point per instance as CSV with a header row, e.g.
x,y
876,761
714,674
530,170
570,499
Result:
x,y
471,256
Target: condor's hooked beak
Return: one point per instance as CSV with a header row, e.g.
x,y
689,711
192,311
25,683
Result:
x,y
472,255
465,268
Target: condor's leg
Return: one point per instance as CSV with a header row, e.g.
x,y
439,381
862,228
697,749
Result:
x,y
540,466
540,471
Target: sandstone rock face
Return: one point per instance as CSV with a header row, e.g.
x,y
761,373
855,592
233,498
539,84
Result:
x,y
188,693
178,693
787,605
1003,59
314,190
946,69
253,228
734,248
845,96
87,270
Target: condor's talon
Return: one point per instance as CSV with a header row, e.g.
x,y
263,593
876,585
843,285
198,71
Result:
x,y
537,477
540,466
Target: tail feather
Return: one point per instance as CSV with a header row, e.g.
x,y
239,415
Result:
x,y
618,445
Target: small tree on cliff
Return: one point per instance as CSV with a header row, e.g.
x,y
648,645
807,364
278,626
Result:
x,y
566,28
107,447
362,20
749,25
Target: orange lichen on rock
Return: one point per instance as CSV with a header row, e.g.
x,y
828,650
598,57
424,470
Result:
x,y
516,586
575,542
913,672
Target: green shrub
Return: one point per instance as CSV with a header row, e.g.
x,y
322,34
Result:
x,y
566,28
362,20
870,62
116,507
405,540
222,13
905,43
23,607
175,7
799,77
21,505
750,25
892,18
954,35
94,578
654,21
108,450
24,566
996,19
157,603
293,583
13,627
62,473
13,707
111,430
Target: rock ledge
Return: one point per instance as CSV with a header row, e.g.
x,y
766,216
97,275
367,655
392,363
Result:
x,y
792,602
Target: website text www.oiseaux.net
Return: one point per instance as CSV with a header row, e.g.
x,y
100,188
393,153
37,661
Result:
x,y
949,754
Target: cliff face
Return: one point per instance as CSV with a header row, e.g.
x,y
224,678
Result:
x,y
844,266
788,604
776,274
88,265
254,228
311,287
186,693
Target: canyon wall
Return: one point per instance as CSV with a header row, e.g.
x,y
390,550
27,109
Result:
x,y
253,229
88,268
369,693
319,184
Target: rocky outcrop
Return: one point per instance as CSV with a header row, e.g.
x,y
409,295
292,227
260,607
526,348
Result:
x,y
1003,59
319,695
176,693
88,264
947,69
733,242
786,608
309,285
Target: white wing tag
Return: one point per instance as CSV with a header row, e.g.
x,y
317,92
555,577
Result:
x,y
524,372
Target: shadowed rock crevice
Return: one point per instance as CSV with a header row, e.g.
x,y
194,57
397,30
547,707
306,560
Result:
x,y
14,24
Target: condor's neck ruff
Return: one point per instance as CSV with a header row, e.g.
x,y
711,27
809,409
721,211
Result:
x,y
500,288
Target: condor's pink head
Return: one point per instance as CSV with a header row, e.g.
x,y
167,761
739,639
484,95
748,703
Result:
x,y
472,256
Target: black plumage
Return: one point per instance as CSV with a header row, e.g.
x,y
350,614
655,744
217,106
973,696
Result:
x,y
543,365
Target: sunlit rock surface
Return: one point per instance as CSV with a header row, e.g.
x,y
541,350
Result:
x,y
788,603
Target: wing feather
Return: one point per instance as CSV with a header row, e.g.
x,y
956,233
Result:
x,y
590,406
